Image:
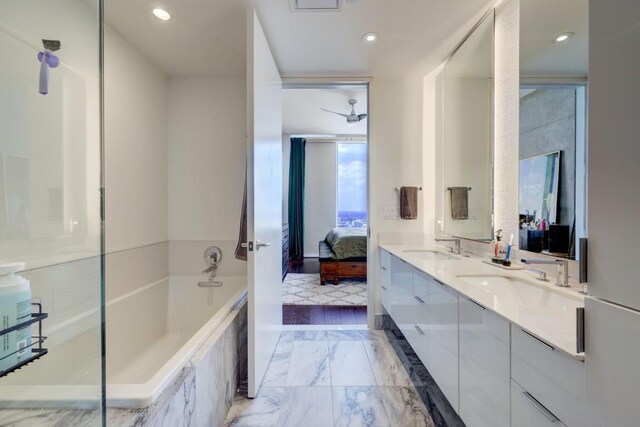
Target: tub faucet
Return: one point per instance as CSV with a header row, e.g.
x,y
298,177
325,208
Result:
x,y
212,256
456,242
563,269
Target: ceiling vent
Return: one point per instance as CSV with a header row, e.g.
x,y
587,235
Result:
x,y
315,5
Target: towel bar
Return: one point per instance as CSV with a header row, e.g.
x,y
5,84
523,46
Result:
x,y
398,188
449,188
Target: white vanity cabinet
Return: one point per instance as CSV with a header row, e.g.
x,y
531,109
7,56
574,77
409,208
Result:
x,y
402,304
385,279
552,378
421,283
484,366
442,325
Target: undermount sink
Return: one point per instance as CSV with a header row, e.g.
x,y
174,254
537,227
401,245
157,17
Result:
x,y
429,255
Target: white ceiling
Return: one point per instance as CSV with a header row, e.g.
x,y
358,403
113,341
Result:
x,y
203,37
207,37
539,56
301,113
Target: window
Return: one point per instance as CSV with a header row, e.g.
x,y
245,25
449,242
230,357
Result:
x,y
352,184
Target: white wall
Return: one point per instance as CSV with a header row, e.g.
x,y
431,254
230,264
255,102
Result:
x,y
135,119
320,197
207,151
395,159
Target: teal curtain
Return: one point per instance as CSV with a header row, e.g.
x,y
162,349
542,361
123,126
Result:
x,y
296,199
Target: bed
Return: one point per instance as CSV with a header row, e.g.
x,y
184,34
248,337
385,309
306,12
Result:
x,y
343,255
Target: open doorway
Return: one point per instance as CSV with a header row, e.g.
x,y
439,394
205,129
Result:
x,y
325,198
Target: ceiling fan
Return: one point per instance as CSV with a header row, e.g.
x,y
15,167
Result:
x,y
352,118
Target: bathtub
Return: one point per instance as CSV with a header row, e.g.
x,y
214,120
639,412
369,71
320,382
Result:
x,y
152,333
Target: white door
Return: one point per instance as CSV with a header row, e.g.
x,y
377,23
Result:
x,y
264,201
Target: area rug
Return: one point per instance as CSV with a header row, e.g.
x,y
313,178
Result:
x,y
305,289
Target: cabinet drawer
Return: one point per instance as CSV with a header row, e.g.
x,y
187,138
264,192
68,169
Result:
x,y
352,269
485,384
527,411
330,267
554,378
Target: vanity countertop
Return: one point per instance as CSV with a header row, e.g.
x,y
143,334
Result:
x,y
541,308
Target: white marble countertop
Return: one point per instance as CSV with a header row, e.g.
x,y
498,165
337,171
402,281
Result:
x,y
541,308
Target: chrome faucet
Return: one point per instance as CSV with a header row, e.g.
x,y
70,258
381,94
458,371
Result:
x,y
457,249
563,269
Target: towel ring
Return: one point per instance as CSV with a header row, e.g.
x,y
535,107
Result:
x,y
451,188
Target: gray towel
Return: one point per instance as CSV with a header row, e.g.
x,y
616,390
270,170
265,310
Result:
x,y
459,203
409,202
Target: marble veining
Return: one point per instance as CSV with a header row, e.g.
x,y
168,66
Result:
x,y
359,406
350,364
306,406
276,375
263,410
353,396
309,364
386,365
405,407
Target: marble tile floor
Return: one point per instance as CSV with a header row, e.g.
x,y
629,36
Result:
x,y
334,378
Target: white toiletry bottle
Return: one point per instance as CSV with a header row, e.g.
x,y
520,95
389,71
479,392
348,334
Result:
x,y
15,308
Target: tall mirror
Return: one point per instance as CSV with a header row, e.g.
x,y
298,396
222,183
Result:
x,y
553,120
468,136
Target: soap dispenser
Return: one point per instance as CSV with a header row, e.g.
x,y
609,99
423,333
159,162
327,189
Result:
x,y
15,308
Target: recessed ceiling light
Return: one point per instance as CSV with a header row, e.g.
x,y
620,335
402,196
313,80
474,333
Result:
x,y
370,37
161,14
562,37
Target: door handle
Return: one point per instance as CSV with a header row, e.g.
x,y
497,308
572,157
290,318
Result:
x,y
260,244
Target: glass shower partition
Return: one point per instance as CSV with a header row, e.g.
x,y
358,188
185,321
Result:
x,y
50,212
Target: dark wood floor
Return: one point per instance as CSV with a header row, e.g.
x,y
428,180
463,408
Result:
x,y
320,314
324,315
306,265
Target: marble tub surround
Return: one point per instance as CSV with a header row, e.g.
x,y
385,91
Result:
x,y
333,378
543,309
203,392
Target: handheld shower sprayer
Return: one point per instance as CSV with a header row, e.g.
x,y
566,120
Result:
x,y
47,60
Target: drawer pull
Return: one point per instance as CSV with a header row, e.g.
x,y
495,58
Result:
x,y
419,329
438,282
384,288
383,267
540,407
420,300
476,303
538,339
